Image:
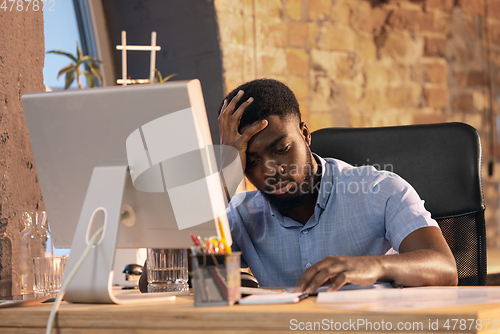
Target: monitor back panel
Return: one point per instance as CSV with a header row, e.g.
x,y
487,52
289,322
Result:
x,y
73,131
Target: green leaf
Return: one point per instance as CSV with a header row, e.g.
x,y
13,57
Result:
x,y
158,75
78,53
160,79
70,76
88,60
96,72
73,70
65,69
64,54
169,77
90,78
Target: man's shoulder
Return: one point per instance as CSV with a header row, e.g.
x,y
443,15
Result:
x,y
247,207
250,200
373,174
342,168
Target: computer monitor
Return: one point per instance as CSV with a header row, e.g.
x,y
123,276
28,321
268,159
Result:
x,y
79,140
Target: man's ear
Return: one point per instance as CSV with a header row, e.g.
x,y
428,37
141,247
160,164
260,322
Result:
x,y
305,133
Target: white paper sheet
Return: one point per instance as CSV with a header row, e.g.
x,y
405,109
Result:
x,y
273,298
388,300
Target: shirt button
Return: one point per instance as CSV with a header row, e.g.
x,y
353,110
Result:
x,y
308,264
305,231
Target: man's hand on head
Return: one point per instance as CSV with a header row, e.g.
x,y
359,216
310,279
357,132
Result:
x,y
229,121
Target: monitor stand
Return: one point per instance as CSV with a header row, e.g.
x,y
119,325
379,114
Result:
x,y
93,281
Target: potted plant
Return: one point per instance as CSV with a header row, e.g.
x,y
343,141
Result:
x,y
73,70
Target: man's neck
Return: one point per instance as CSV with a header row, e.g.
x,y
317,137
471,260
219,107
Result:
x,y
302,213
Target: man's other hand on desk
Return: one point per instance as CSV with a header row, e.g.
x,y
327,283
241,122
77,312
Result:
x,y
424,259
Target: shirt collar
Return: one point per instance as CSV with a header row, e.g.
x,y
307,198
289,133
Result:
x,y
325,189
326,184
284,221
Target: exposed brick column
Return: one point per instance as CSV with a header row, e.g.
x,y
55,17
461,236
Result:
x,y
21,65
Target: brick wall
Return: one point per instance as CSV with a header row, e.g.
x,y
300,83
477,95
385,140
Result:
x,y
21,65
362,63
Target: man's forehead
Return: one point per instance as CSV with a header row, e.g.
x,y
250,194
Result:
x,y
275,121
263,143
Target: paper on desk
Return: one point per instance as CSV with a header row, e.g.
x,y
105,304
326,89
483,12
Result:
x,y
260,291
19,303
273,298
388,300
324,288
287,291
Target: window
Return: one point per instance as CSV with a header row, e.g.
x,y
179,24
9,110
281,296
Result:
x,y
61,33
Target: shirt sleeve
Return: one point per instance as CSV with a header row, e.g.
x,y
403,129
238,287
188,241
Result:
x,y
235,224
396,202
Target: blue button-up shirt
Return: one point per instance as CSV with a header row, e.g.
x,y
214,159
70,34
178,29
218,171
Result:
x,y
359,211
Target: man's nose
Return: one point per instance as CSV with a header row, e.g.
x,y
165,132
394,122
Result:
x,y
273,168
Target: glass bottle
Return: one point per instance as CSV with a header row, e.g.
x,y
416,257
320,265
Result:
x,y
5,246
36,241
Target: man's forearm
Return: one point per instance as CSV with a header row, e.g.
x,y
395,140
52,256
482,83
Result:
x,y
421,267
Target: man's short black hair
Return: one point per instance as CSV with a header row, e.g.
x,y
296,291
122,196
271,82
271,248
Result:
x,y
271,97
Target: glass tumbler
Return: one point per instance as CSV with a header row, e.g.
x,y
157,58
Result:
x,y
167,270
48,275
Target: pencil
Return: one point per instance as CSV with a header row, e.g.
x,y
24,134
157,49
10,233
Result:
x,y
223,238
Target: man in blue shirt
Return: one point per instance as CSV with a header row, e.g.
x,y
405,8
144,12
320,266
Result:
x,y
314,220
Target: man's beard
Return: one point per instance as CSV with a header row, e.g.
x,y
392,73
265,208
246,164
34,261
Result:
x,y
300,194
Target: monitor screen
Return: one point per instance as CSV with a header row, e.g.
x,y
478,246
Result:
x,y
73,132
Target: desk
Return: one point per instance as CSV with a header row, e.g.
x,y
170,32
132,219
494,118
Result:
x,y
180,316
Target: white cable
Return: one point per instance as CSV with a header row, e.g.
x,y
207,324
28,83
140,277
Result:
x,y
70,277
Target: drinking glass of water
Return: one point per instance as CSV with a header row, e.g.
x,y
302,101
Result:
x,y
167,270
48,275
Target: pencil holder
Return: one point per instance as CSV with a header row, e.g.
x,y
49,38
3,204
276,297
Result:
x,y
216,279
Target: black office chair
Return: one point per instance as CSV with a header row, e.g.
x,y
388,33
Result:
x,y
442,162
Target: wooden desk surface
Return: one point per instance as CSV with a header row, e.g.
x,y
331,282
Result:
x,y
180,316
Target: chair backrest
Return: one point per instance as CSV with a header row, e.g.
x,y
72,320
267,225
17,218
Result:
x,y
442,162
